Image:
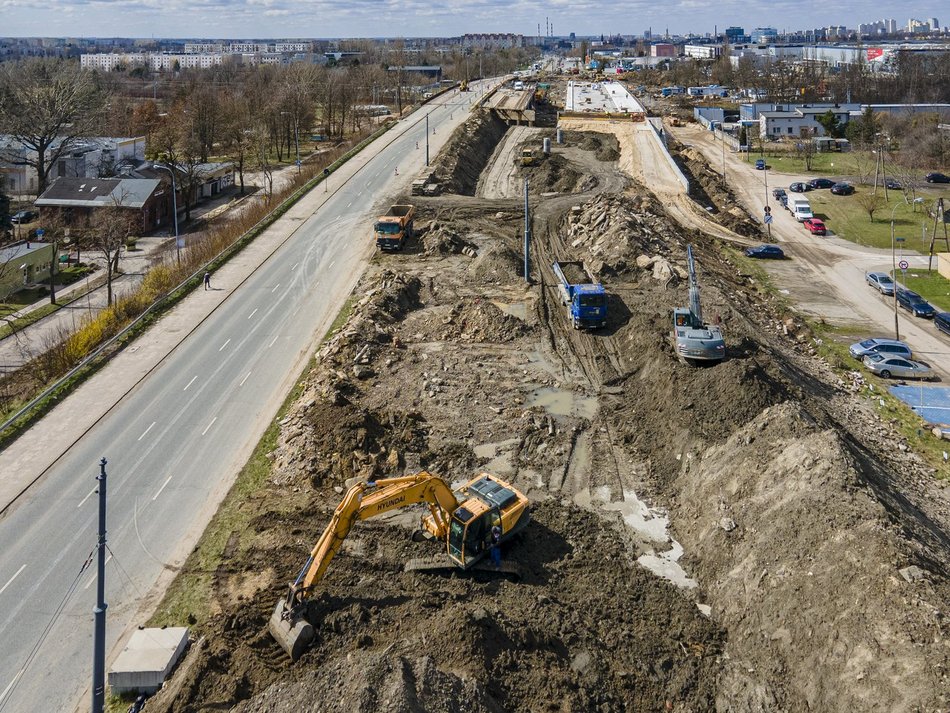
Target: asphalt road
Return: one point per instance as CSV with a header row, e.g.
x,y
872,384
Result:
x,y
176,441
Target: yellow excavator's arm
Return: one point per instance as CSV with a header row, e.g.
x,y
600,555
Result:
x,y
385,494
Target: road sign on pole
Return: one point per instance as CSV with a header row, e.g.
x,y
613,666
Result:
x,y
903,264
768,218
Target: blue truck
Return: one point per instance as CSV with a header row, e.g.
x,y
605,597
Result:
x,y
582,294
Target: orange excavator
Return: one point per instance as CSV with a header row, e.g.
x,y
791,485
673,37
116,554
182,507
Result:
x,y
463,520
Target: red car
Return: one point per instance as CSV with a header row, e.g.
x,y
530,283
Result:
x,y
815,226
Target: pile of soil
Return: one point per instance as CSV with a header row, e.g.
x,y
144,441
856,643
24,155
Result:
x,y
478,320
460,164
554,174
497,264
605,146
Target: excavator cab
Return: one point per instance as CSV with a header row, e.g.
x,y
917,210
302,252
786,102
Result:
x,y
490,502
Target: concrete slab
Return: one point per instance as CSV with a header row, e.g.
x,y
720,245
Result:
x,y
147,659
931,403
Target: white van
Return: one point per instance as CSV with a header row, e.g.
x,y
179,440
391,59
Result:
x,y
519,86
800,208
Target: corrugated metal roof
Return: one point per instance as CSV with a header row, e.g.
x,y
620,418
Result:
x,y
99,192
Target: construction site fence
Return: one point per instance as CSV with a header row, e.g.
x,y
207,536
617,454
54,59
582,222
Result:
x,y
633,116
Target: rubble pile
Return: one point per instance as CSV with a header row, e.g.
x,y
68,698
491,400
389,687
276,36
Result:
x,y
613,229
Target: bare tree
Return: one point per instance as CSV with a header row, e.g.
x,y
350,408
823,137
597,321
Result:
x,y
235,134
805,149
870,202
47,105
110,228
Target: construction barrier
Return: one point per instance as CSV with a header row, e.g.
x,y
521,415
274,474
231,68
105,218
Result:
x,y
632,116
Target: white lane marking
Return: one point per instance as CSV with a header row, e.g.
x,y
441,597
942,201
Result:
x,y
155,497
294,267
359,194
145,432
208,427
275,287
272,342
252,313
91,493
15,679
9,582
189,383
224,345
245,379
93,578
349,204
332,264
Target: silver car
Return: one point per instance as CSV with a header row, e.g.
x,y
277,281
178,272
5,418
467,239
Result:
x,y
887,347
881,282
898,367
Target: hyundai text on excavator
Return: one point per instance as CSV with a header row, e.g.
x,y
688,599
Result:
x,y
462,520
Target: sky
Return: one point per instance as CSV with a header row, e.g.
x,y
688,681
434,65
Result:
x,y
263,19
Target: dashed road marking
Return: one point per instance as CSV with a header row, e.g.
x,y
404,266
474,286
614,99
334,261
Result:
x,y
145,432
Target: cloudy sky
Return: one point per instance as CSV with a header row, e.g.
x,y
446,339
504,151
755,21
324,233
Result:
x,y
390,18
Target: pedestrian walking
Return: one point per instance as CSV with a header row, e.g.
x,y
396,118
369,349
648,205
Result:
x,y
397,170
417,144
207,280
496,547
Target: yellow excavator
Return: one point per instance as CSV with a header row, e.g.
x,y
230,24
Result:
x,y
462,520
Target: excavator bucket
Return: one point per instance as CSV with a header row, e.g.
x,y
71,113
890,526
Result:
x,y
290,630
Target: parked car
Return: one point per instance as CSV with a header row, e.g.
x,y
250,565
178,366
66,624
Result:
x,y
779,193
885,347
937,178
842,189
915,304
942,322
888,366
815,226
766,252
893,185
799,187
881,282
24,216
817,183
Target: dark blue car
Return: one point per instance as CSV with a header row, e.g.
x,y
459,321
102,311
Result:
x,y
915,304
766,252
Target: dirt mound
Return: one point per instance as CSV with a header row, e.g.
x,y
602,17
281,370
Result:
x,y
460,164
497,264
614,229
806,569
555,174
605,146
478,320
388,684
442,239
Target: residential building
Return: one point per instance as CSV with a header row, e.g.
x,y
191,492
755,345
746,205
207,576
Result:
x,y
207,48
493,40
73,201
914,26
91,157
291,47
248,47
23,264
702,51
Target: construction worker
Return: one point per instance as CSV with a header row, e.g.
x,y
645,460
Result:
x,y
496,547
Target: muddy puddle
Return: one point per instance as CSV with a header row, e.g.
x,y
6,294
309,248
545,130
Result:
x,y
560,402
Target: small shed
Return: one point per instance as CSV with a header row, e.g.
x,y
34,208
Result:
x,y
23,264
147,659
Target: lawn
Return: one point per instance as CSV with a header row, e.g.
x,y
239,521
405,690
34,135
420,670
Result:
x,y
847,219
932,286
822,164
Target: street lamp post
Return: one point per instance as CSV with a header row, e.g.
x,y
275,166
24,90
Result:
x,y
897,331
174,208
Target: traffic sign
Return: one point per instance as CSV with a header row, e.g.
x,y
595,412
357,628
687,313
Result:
x,y
903,264
768,218
40,232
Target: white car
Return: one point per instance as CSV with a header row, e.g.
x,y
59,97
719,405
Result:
x,y
898,367
881,282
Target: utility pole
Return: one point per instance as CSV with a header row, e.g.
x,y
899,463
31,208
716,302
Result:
x,y
427,139
527,236
99,644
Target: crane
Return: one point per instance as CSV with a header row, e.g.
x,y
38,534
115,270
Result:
x,y
463,525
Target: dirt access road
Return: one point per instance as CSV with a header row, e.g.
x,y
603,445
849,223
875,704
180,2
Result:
x,y
825,277
736,538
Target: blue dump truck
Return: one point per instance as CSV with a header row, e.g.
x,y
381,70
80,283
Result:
x,y
584,297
